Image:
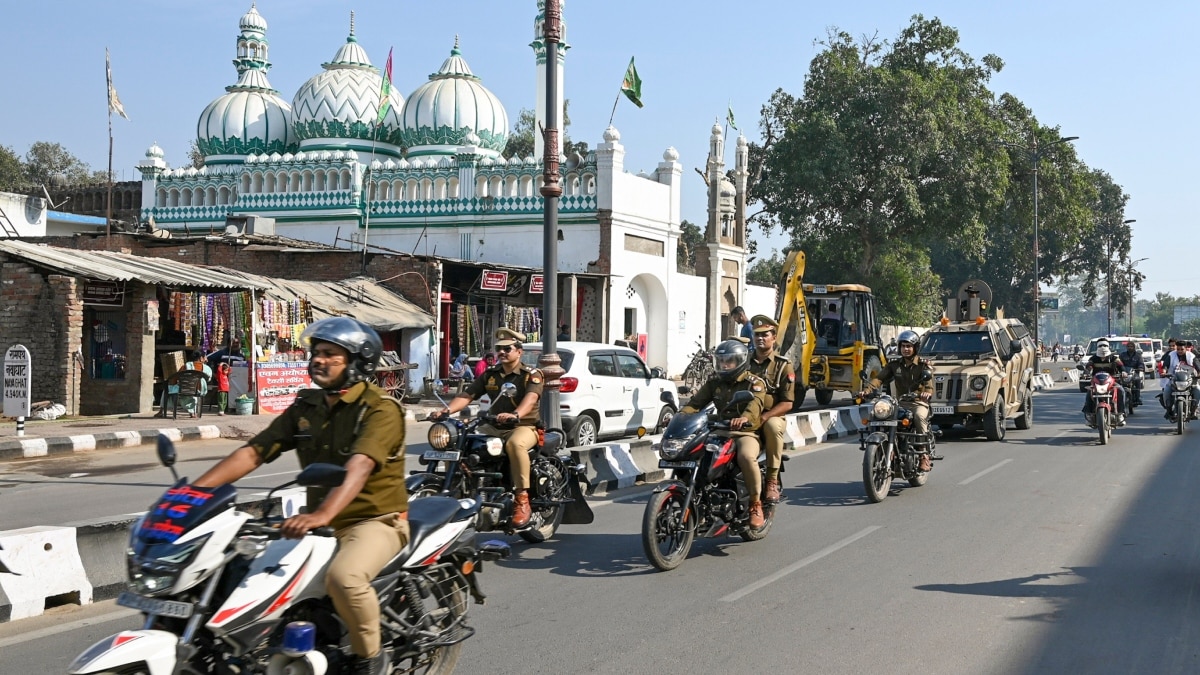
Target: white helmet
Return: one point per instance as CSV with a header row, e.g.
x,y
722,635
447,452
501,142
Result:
x,y
1102,349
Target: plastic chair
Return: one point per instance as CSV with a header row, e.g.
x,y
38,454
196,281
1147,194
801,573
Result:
x,y
191,385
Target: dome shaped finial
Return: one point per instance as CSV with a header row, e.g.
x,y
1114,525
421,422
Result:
x,y
455,51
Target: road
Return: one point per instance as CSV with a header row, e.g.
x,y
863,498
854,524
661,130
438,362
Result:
x,y
1047,553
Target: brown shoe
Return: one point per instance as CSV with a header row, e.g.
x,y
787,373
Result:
x,y
926,463
756,516
521,509
774,492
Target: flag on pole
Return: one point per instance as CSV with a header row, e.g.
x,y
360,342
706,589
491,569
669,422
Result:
x,y
385,89
631,86
729,118
114,101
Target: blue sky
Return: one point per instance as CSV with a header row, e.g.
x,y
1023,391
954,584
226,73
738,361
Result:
x,y
1119,75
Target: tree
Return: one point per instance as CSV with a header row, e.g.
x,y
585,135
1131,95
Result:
x,y
12,173
195,157
48,163
691,237
767,271
521,139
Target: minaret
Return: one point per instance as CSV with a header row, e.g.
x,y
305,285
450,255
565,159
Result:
x,y
539,50
741,175
252,47
714,175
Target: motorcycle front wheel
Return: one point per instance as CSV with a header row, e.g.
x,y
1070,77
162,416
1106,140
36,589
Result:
x,y
666,538
877,475
1102,424
1180,415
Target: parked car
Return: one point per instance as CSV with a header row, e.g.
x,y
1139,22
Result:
x,y
608,391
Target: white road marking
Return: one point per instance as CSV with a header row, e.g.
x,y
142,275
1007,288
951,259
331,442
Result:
x,y
77,475
765,581
986,471
65,627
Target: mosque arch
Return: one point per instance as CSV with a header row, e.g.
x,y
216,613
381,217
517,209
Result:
x,y
439,188
307,180
223,196
160,197
245,182
347,180
173,197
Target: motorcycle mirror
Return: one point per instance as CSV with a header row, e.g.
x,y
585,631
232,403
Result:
x,y
742,397
926,375
1079,366
509,389
321,475
666,397
166,454
862,375
684,390
1015,346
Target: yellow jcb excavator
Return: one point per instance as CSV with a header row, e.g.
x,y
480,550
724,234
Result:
x,y
829,332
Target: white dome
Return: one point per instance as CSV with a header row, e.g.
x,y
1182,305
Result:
x,y
154,152
244,121
670,154
611,135
338,107
252,20
440,115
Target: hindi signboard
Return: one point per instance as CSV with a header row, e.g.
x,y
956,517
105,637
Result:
x,y
537,284
17,374
97,293
277,383
493,280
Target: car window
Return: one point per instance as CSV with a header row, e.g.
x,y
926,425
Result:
x,y
632,366
530,358
965,344
602,364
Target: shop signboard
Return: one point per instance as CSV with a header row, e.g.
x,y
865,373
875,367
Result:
x,y
17,374
494,281
104,293
537,284
277,383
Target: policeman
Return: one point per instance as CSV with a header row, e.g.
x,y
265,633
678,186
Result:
x,y
907,372
777,372
521,410
1105,361
731,362
353,423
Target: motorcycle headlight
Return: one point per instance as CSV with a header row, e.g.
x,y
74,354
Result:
x,y
671,448
156,571
442,435
978,383
882,409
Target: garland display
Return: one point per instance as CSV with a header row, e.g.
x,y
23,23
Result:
x,y
288,318
211,319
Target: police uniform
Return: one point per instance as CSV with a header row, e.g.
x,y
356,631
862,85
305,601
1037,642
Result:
x,y
372,528
780,378
720,393
907,377
520,440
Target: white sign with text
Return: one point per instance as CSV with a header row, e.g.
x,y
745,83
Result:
x,y
17,374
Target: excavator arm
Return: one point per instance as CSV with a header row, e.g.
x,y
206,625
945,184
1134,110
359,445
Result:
x,y
797,338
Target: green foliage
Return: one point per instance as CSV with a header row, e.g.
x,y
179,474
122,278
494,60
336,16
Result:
x,y
521,140
12,173
766,271
691,237
51,164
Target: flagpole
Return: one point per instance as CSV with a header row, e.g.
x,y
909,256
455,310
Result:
x,y
614,110
370,178
108,208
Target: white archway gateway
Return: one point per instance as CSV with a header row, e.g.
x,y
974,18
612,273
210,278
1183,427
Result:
x,y
648,302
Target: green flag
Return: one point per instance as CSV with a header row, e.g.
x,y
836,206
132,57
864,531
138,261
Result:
x,y
729,118
631,86
385,90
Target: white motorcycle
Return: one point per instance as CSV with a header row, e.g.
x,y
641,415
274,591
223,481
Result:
x,y
222,592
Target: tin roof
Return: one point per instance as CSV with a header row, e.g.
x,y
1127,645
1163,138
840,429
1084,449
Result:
x,y
112,266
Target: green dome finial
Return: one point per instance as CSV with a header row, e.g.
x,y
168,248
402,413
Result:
x,y
454,51
351,38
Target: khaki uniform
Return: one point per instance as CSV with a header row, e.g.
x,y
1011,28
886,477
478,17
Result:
x,y
372,529
906,376
777,372
520,440
720,393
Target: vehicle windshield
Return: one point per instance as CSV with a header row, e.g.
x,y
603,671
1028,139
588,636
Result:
x,y
530,355
957,345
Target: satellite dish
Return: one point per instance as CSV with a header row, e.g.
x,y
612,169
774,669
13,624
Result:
x,y
51,201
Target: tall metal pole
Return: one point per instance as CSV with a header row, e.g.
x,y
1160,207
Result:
x,y
1037,262
1108,287
549,362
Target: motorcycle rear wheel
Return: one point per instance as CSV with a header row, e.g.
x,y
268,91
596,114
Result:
x,y
877,475
748,534
663,524
449,594
1102,425
552,484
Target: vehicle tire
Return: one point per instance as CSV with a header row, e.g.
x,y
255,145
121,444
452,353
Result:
x,y
550,482
584,432
662,525
1102,422
877,475
993,420
824,396
444,597
800,393
761,533
919,477
664,418
1025,421
1180,415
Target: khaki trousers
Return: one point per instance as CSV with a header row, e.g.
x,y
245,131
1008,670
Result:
x,y
363,550
920,410
747,458
772,438
517,444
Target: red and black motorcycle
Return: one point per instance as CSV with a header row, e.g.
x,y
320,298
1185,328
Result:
x,y
706,495
1103,392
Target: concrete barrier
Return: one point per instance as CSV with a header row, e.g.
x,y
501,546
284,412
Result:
x,y
17,448
40,566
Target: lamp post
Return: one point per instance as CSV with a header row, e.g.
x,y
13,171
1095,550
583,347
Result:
x,y
549,361
1132,264
1035,154
1108,282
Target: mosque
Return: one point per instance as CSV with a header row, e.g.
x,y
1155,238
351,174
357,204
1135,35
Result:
x,y
431,178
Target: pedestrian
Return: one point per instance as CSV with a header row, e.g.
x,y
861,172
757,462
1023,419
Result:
x,y
223,370
488,360
739,315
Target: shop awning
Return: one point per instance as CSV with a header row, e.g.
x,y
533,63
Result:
x,y
358,298
112,266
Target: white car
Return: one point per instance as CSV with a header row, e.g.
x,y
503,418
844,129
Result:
x,y
608,391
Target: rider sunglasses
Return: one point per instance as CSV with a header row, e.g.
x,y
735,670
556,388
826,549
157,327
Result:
x,y
503,349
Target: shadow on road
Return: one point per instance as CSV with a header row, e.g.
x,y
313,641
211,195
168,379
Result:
x,y
592,555
849,493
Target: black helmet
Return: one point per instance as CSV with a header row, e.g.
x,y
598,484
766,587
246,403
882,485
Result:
x,y
909,336
731,359
356,337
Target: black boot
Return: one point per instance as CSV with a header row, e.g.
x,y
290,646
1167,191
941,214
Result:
x,y
380,664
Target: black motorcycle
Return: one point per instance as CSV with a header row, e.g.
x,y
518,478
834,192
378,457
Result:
x,y
1182,407
891,446
1133,381
465,463
706,495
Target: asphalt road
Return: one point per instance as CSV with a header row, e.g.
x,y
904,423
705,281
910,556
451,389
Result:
x,y
1047,553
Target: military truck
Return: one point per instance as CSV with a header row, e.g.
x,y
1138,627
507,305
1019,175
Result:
x,y
983,367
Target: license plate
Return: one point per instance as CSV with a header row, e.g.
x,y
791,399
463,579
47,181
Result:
x,y
171,608
664,464
441,455
883,423
942,410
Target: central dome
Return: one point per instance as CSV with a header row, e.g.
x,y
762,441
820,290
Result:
x,y
440,115
338,108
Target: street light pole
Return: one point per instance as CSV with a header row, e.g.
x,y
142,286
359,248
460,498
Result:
x,y
1108,280
549,362
1132,264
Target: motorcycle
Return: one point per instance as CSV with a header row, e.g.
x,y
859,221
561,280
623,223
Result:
x,y
1182,405
1133,381
465,463
889,442
706,495
222,592
1102,390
